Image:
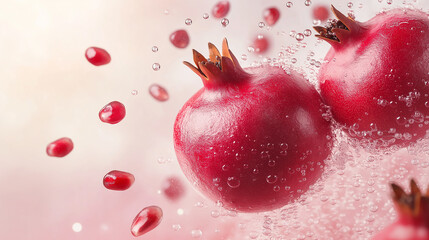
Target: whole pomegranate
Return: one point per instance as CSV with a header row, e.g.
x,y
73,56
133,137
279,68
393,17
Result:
x,y
413,215
254,139
375,77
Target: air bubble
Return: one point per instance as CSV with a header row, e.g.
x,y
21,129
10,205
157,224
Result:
x,y
156,66
299,37
261,24
307,3
205,15
271,179
154,49
307,32
188,21
233,182
289,4
224,22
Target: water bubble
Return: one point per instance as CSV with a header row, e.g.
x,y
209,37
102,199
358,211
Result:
x,y
154,49
350,5
205,15
307,3
261,24
389,1
307,32
243,57
299,37
233,182
196,233
156,66
271,179
224,22
188,21
134,92
176,227
289,4
215,213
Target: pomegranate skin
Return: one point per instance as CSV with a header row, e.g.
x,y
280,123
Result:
x,y
254,142
413,215
375,78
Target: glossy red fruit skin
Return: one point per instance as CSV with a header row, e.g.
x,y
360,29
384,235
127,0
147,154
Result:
x,y
60,147
179,38
369,77
112,113
221,9
249,127
97,56
271,16
413,216
146,220
118,180
321,13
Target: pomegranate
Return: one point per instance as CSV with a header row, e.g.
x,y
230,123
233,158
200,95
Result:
x,y
253,138
375,76
97,56
60,147
146,220
112,113
118,180
413,215
271,15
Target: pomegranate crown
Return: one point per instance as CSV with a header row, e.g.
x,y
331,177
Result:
x,y
413,203
338,30
217,69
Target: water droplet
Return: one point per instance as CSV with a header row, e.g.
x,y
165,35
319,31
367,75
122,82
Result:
x,y
261,24
205,15
271,179
233,182
134,92
299,37
196,233
215,214
350,5
307,3
156,66
244,57
188,21
176,227
289,4
224,22
307,33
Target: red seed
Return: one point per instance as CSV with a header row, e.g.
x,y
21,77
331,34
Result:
x,y
60,147
118,180
97,56
179,38
148,219
321,13
271,15
112,113
221,9
261,44
173,188
158,92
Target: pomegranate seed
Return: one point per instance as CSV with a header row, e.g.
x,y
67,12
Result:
x,y
221,9
179,38
158,92
173,188
261,44
112,113
118,180
321,13
271,15
148,219
97,56
60,147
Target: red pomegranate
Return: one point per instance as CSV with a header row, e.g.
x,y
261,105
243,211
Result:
x,y
413,215
375,78
254,139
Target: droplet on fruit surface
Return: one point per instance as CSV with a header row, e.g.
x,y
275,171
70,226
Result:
x,y
180,38
221,9
158,92
173,188
271,15
233,182
97,56
112,113
118,180
60,147
146,220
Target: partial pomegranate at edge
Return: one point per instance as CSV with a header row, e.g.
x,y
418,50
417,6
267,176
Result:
x,y
375,78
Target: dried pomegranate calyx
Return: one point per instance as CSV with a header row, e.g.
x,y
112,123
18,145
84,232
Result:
x,y
337,30
218,68
411,204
